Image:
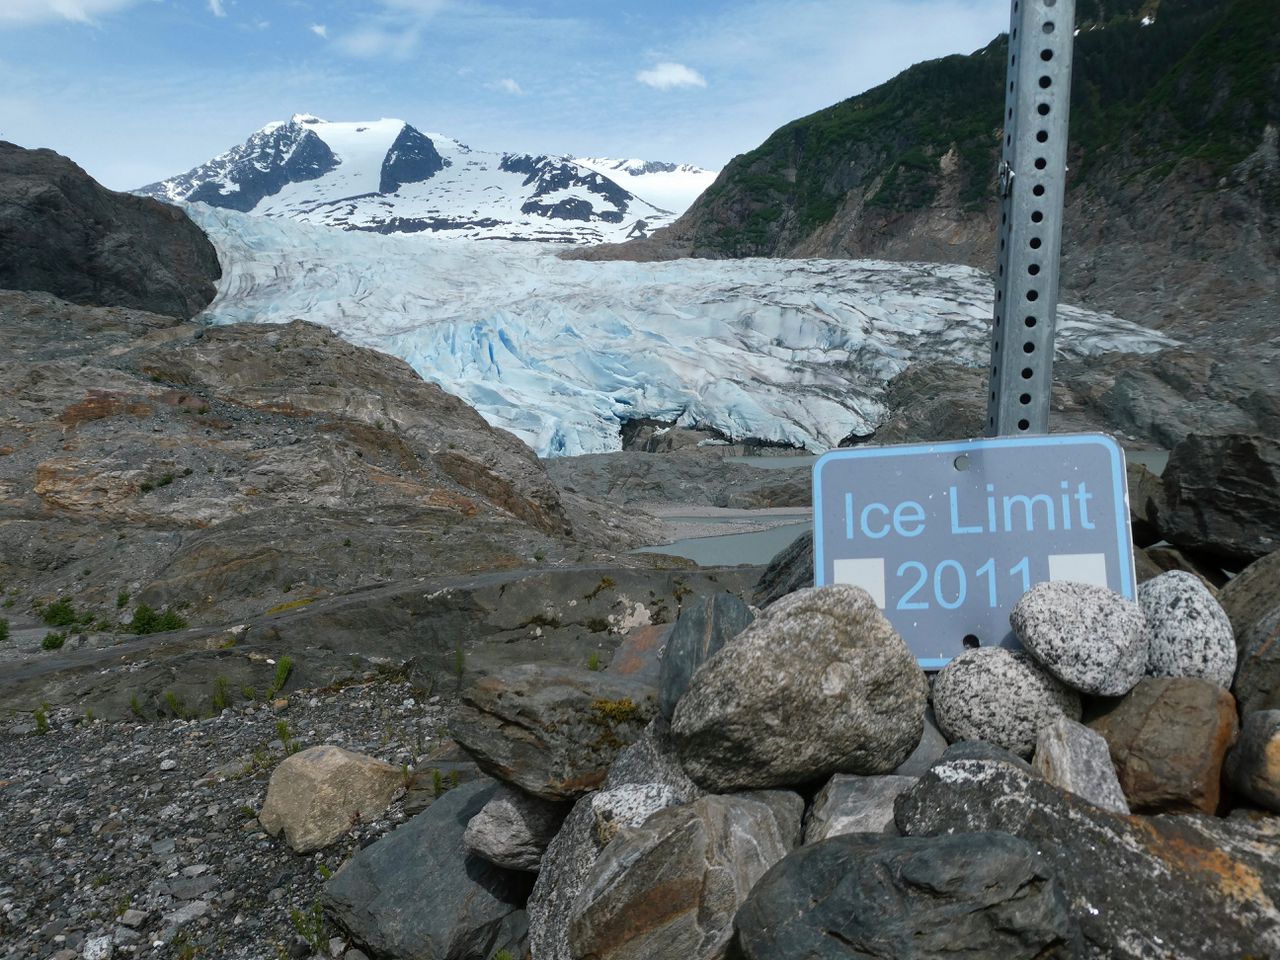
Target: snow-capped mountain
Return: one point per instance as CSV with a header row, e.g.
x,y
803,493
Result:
x,y
563,352
385,176
672,186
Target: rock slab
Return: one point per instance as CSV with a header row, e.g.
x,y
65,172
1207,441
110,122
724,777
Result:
x,y
1257,682
671,888
1000,696
820,683
314,796
1190,634
551,731
979,895
1191,887
1089,637
1074,758
473,909
1253,765
703,628
848,804
1168,739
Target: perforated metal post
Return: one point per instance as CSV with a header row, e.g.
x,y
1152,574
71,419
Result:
x,y
1032,182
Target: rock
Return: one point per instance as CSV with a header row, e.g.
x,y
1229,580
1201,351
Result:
x,y
639,656
1089,637
1249,597
931,746
474,908
790,570
788,811
1195,888
134,918
980,895
988,752
1146,497
652,759
671,888
514,828
551,731
1168,738
315,795
1253,765
702,629
627,806
62,232
854,805
820,682
1257,683
647,764
999,696
97,948
1220,494
1190,633
1074,758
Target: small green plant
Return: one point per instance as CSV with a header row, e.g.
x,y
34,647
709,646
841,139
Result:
x,y
248,692
184,948
406,775
175,704
42,721
88,715
346,541
283,669
598,625
4,629
324,871
146,620
285,738
165,480
593,661
53,641
437,784
539,556
310,926
8,603
221,696
504,955
122,599
60,613
136,707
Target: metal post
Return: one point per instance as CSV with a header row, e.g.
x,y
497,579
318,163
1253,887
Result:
x,y
1032,183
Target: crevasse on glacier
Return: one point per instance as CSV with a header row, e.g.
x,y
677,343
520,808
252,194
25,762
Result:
x,y
562,352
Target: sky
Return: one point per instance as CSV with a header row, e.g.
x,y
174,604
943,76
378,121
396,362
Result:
x,y
138,90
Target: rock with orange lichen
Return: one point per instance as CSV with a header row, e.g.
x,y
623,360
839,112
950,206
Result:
x,y
1191,887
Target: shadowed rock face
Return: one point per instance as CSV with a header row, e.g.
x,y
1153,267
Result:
x,y
63,233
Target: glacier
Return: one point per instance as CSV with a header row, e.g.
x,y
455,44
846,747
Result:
x,y
562,352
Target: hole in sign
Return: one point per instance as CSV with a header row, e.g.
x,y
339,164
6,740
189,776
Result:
x,y
1043,109
1024,424
971,642
961,462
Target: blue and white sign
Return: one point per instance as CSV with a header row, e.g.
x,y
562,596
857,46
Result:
x,y
947,536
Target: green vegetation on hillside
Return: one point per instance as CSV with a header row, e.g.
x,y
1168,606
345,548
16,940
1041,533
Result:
x,y
1199,81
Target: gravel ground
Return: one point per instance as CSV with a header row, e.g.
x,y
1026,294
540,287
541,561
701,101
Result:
x,y
128,839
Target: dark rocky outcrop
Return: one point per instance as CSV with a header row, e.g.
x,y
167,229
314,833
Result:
x,y
1191,887
411,159
790,570
703,628
978,895
63,233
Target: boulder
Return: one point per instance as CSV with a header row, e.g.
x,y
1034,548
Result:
x,y
979,895
627,806
1190,634
671,888
1089,637
62,232
652,759
473,910
551,731
1074,758
820,682
1220,496
1249,597
1257,682
1167,739
702,629
790,570
315,795
514,828
854,805
1253,765
1191,887
788,812
1000,696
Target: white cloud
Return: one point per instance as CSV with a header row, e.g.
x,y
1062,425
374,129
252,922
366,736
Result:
x,y
378,42
217,9
665,76
320,30
78,11
507,85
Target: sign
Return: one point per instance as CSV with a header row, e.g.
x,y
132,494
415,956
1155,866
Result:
x,y
947,536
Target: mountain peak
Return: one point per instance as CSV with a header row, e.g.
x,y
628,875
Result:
x,y
300,118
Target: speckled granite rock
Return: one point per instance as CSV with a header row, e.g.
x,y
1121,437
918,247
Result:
x,y
1000,696
1089,637
1071,756
514,828
627,806
1253,765
1190,633
820,682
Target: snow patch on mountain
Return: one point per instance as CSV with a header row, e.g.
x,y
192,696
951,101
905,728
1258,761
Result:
x,y
671,186
562,353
